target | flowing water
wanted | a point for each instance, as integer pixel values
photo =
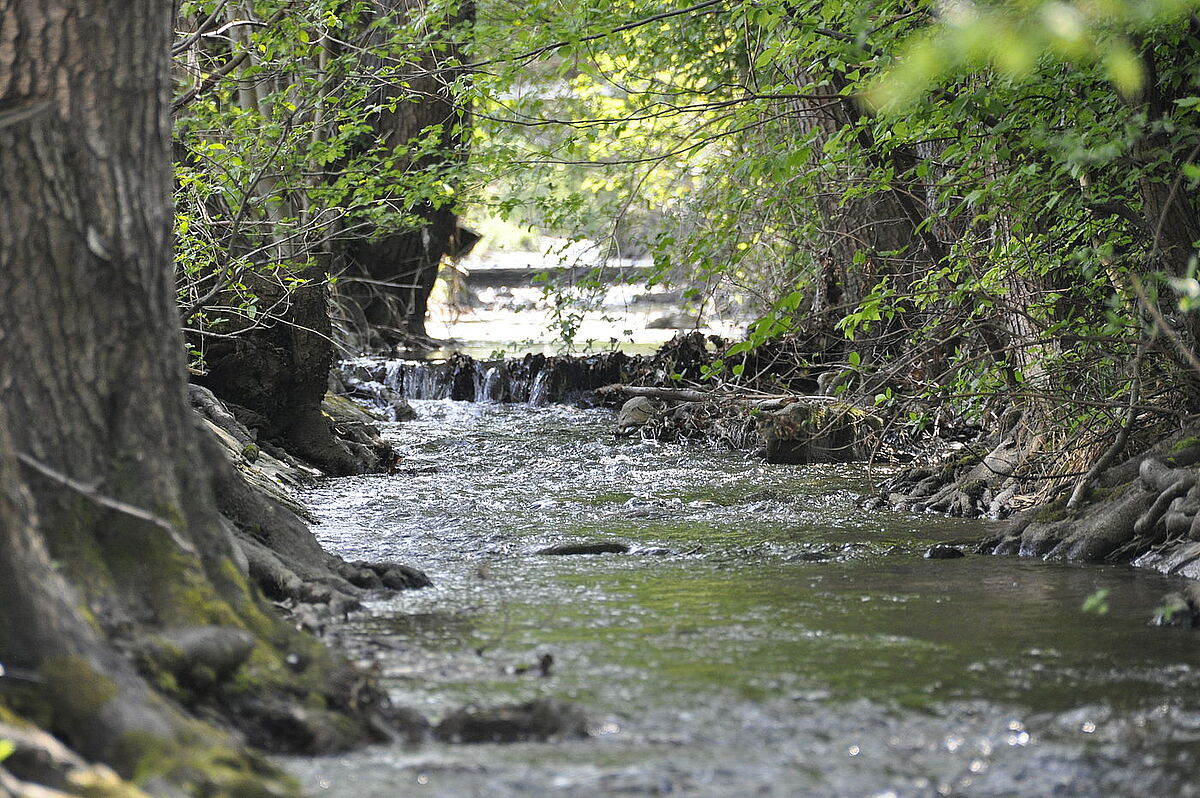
(763, 637)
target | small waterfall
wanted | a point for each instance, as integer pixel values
(494, 385)
(478, 381)
(533, 378)
(540, 392)
(393, 374)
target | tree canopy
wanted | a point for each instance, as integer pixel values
(989, 202)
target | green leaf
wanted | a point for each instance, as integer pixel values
(1124, 69)
(1097, 602)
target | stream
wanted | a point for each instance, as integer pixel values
(764, 636)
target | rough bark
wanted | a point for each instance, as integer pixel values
(92, 353)
(115, 487)
(873, 225)
(44, 629)
(400, 268)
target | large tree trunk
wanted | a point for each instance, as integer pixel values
(1170, 206)
(92, 353)
(93, 396)
(44, 629)
(401, 267)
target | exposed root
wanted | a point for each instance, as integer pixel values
(1152, 518)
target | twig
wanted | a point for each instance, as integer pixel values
(532, 54)
(204, 28)
(691, 395)
(1110, 454)
(213, 77)
(92, 493)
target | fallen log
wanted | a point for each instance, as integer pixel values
(759, 401)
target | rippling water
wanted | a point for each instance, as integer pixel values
(763, 637)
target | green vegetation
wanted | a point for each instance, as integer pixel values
(292, 145)
(1097, 602)
(1017, 223)
(993, 204)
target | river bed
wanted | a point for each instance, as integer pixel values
(765, 636)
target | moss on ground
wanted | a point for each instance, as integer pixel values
(1055, 511)
(75, 690)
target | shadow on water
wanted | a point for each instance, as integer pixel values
(764, 637)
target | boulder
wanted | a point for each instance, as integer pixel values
(198, 655)
(593, 547)
(541, 719)
(390, 575)
(635, 413)
(943, 551)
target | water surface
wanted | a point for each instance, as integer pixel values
(764, 637)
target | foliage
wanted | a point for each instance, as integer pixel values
(993, 203)
(281, 152)
(1021, 220)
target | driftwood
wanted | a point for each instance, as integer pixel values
(758, 401)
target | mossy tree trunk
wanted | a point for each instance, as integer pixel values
(102, 470)
(94, 374)
(45, 629)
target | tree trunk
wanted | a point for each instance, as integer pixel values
(44, 630)
(280, 372)
(402, 267)
(92, 352)
(114, 486)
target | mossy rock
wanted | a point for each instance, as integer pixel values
(1190, 442)
(343, 408)
(75, 690)
(1051, 513)
(199, 656)
(1184, 452)
(205, 766)
(974, 489)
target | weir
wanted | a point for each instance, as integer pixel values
(534, 379)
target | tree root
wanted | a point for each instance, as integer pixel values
(1152, 520)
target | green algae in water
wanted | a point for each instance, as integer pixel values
(733, 665)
